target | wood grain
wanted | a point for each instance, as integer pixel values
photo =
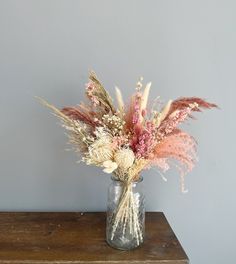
(71, 238)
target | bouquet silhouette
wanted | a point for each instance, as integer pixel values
(129, 138)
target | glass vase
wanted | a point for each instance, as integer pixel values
(125, 227)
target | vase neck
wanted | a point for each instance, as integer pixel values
(138, 179)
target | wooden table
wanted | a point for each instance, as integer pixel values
(72, 238)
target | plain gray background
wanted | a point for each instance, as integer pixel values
(184, 47)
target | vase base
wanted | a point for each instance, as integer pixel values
(123, 248)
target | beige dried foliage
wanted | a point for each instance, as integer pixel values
(76, 131)
(101, 94)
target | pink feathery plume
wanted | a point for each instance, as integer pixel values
(196, 104)
(129, 114)
(178, 146)
(132, 116)
(80, 113)
(179, 111)
(170, 124)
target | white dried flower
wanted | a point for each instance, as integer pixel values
(119, 101)
(100, 150)
(109, 166)
(124, 158)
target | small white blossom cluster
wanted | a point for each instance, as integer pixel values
(114, 122)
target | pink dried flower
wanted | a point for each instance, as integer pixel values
(171, 123)
(179, 111)
(144, 140)
(179, 146)
(90, 87)
(119, 141)
(184, 102)
(137, 109)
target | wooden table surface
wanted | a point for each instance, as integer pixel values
(72, 238)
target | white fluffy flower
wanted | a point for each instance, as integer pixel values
(100, 150)
(124, 158)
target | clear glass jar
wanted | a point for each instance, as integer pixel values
(125, 227)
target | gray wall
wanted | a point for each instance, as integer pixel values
(184, 47)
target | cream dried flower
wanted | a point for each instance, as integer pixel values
(101, 150)
(124, 158)
(109, 166)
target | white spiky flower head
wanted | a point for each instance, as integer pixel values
(124, 158)
(101, 149)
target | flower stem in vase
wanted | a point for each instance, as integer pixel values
(125, 223)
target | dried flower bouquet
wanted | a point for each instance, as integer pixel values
(130, 138)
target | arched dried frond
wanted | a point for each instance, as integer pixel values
(179, 111)
(79, 113)
(98, 95)
(195, 103)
